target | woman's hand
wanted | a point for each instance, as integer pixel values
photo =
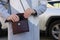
(13, 18)
(28, 12)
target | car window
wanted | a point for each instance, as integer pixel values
(53, 4)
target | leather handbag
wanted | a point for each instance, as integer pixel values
(21, 26)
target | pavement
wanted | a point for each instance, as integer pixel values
(3, 38)
(44, 36)
(41, 38)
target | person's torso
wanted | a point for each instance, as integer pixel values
(16, 8)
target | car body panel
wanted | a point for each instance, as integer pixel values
(45, 16)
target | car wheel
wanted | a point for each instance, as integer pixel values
(54, 29)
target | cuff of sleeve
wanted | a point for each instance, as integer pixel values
(5, 14)
(34, 14)
(40, 9)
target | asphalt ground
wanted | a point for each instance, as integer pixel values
(44, 36)
(3, 38)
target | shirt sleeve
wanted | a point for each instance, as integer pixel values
(42, 6)
(4, 12)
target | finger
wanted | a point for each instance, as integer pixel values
(25, 15)
(12, 19)
(17, 17)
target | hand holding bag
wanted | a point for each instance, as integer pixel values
(21, 26)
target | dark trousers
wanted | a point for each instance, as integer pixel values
(3, 32)
(0, 26)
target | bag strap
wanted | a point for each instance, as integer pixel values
(22, 5)
(25, 4)
(9, 7)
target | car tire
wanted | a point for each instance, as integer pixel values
(53, 29)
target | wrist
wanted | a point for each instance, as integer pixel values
(34, 12)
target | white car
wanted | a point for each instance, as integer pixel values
(50, 22)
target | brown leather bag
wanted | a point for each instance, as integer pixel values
(21, 26)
